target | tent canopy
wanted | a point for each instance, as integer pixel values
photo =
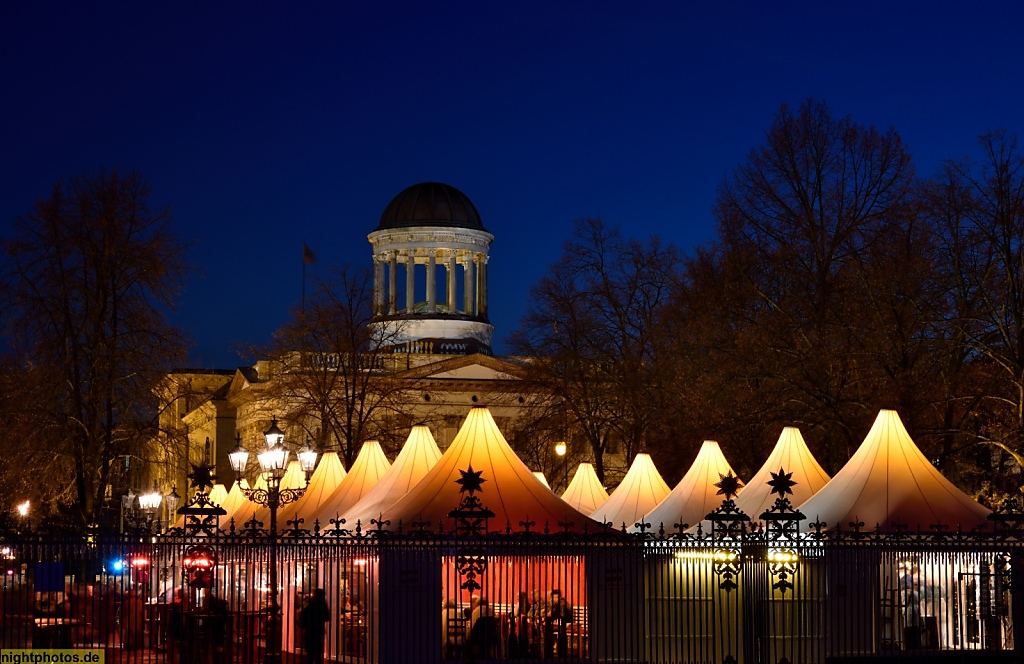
(369, 466)
(325, 480)
(639, 492)
(790, 454)
(585, 492)
(888, 481)
(696, 494)
(234, 502)
(539, 474)
(509, 488)
(418, 456)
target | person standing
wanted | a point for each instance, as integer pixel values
(313, 620)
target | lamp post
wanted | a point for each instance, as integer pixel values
(273, 462)
(142, 512)
(560, 450)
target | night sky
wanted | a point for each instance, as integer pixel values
(265, 126)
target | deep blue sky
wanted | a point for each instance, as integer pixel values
(263, 126)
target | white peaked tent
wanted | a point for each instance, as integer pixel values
(790, 454)
(585, 492)
(366, 471)
(543, 480)
(509, 488)
(418, 456)
(639, 492)
(294, 478)
(322, 483)
(889, 481)
(695, 495)
(233, 502)
(218, 493)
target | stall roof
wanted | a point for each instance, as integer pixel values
(543, 480)
(509, 488)
(418, 456)
(585, 492)
(696, 494)
(369, 466)
(790, 454)
(639, 492)
(234, 502)
(889, 482)
(218, 493)
(322, 483)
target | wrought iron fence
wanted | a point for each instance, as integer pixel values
(412, 597)
(770, 593)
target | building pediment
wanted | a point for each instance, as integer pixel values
(467, 367)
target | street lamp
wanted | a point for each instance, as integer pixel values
(273, 462)
(143, 517)
(560, 449)
(22, 510)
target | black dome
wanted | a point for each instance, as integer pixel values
(431, 204)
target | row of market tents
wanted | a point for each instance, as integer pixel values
(887, 484)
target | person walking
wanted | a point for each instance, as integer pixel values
(313, 620)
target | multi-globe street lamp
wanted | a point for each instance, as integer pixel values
(142, 512)
(273, 463)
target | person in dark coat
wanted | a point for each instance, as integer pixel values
(313, 620)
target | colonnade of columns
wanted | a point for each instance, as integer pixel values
(474, 287)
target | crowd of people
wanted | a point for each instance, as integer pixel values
(537, 626)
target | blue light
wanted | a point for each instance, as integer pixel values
(118, 565)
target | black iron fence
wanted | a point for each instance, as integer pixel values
(606, 597)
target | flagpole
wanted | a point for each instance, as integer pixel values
(308, 257)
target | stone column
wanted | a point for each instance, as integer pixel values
(431, 275)
(482, 286)
(392, 281)
(468, 294)
(378, 286)
(453, 306)
(410, 281)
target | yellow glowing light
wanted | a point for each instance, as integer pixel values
(560, 449)
(23, 509)
(718, 556)
(782, 557)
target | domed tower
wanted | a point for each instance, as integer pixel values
(430, 254)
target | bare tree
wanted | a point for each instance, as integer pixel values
(86, 283)
(978, 209)
(334, 364)
(589, 335)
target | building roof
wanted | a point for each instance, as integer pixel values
(639, 492)
(370, 465)
(431, 204)
(888, 482)
(418, 456)
(509, 488)
(585, 491)
(322, 483)
(696, 494)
